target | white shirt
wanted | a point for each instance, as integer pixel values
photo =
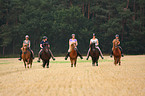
(94, 40)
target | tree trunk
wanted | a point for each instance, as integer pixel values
(127, 4)
(109, 17)
(13, 47)
(83, 10)
(7, 16)
(122, 29)
(89, 10)
(70, 3)
(3, 51)
(133, 17)
(140, 18)
(143, 16)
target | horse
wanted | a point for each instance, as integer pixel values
(116, 53)
(73, 54)
(45, 56)
(94, 53)
(26, 56)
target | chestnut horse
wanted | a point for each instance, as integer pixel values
(45, 56)
(26, 56)
(116, 53)
(94, 53)
(73, 55)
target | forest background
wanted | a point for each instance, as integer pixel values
(58, 19)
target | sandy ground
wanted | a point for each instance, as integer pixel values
(84, 80)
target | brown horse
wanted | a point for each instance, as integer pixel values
(73, 55)
(26, 56)
(45, 56)
(116, 53)
(94, 52)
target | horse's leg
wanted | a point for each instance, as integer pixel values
(25, 64)
(75, 61)
(71, 63)
(96, 62)
(119, 62)
(48, 64)
(31, 62)
(43, 64)
(93, 62)
(114, 60)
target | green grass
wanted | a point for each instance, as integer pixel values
(5, 63)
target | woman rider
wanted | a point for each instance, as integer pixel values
(44, 41)
(27, 42)
(73, 40)
(117, 40)
(94, 40)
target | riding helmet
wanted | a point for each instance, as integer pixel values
(44, 37)
(73, 35)
(26, 36)
(116, 35)
(94, 34)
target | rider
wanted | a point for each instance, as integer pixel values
(44, 41)
(73, 40)
(94, 40)
(27, 42)
(117, 39)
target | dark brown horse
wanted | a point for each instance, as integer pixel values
(26, 56)
(116, 53)
(45, 56)
(73, 55)
(94, 52)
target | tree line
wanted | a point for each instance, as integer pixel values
(58, 19)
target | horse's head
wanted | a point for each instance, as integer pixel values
(46, 48)
(115, 44)
(92, 46)
(73, 45)
(24, 49)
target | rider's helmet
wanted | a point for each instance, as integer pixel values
(26, 36)
(44, 37)
(73, 35)
(116, 35)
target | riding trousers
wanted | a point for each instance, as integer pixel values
(98, 49)
(41, 51)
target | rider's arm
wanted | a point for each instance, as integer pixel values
(97, 42)
(90, 42)
(69, 42)
(118, 42)
(48, 45)
(41, 46)
(29, 44)
(76, 43)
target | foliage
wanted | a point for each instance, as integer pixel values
(58, 19)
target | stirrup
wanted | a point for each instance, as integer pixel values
(87, 58)
(19, 59)
(65, 58)
(53, 58)
(81, 57)
(38, 60)
(122, 55)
